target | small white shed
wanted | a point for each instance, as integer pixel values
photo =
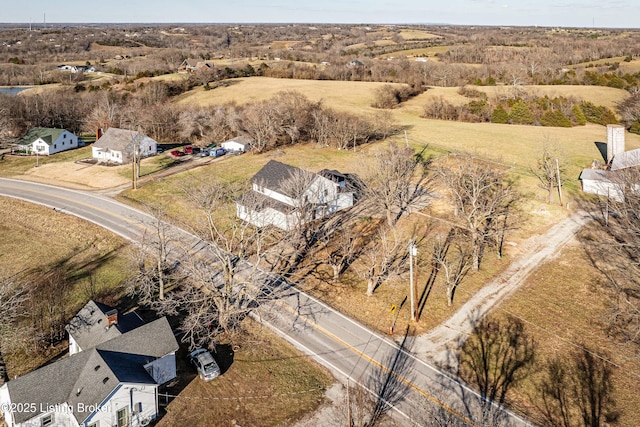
(239, 144)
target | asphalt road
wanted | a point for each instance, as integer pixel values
(407, 387)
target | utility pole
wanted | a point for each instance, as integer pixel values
(559, 181)
(413, 251)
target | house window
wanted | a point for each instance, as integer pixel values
(47, 420)
(137, 408)
(94, 424)
(122, 416)
(55, 146)
(326, 192)
(64, 136)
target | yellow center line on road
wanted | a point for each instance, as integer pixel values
(284, 305)
(379, 365)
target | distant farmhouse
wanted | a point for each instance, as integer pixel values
(283, 196)
(605, 179)
(117, 145)
(77, 68)
(191, 65)
(111, 378)
(47, 141)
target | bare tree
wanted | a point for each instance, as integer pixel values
(482, 199)
(154, 263)
(397, 179)
(222, 288)
(550, 170)
(454, 266)
(385, 257)
(12, 307)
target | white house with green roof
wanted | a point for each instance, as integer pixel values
(47, 141)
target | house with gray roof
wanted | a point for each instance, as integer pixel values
(610, 179)
(96, 323)
(118, 145)
(283, 196)
(114, 383)
(47, 141)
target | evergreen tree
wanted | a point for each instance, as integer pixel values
(578, 116)
(521, 114)
(555, 118)
(499, 115)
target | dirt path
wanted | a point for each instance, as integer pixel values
(438, 344)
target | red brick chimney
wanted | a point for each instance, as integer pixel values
(112, 318)
(98, 133)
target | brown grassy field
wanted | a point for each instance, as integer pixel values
(244, 90)
(34, 238)
(424, 51)
(562, 307)
(418, 35)
(269, 383)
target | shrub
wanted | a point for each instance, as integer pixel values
(635, 127)
(499, 115)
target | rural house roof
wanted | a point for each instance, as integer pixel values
(117, 139)
(89, 377)
(626, 160)
(595, 175)
(274, 174)
(48, 135)
(89, 327)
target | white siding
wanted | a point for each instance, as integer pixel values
(73, 346)
(274, 195)
(267, 216)
(5, 399)
(233, 146)
(124, 396)
(66, 141)
(602, 188)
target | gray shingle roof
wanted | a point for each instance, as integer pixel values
(90, 376)
(116, 139)
(48, 135)
(274, 174)
(595, 175)
(88, 327)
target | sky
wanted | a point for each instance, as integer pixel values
(553, 13)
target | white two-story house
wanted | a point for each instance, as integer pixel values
(111, 377)
(283, 196)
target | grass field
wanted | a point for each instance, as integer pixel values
(269, 383)
(422, 51)
(244, 90)
(417, 35)
(34, 238)
(564, 309)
